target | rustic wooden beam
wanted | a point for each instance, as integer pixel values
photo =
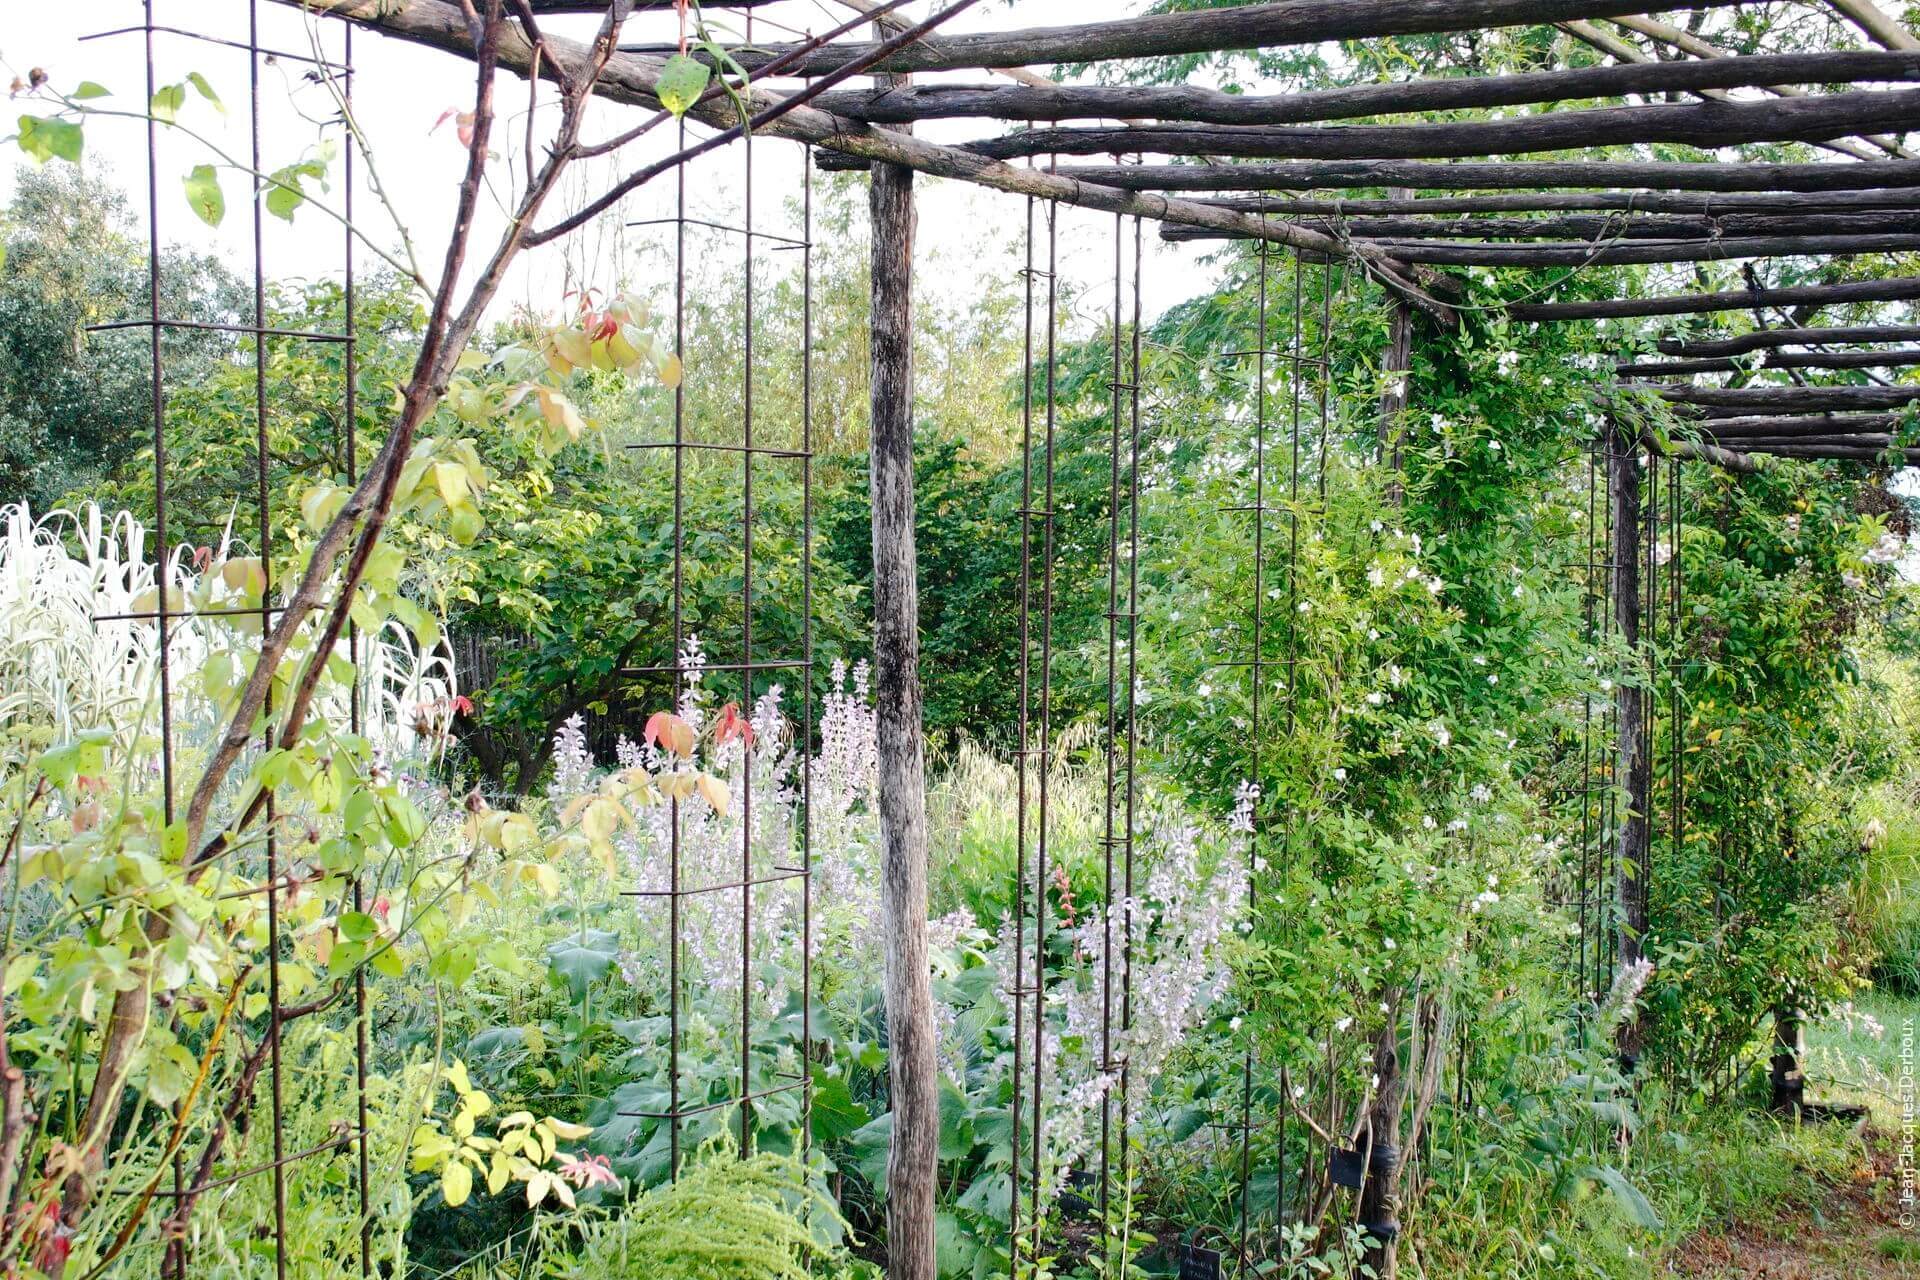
(1742, 463)
(1057, 102)
(1894, 358)
(1621, 226)
(1777, 400)
(1692, 44)
(1764, 339)
(631, 78)
(1895, 289)
(1603, 254)
(1639, 202)
(1839, 453)
(1634, 252)
(1518, 175)
(1706, 125)
(1820, 424)
(1626, 51)
(1248, 26)
(1863, 440)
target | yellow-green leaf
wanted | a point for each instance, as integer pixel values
(204, 194)
(681, 83)
(456, 1183)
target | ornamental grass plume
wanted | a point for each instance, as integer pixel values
(761, 1218)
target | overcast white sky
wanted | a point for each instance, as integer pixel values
(402, 89)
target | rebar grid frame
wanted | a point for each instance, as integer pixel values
(175, 1258)
(1599, 817)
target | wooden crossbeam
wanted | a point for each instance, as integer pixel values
(1881, 440)
(1518, 175)
(633, 78)
(1895, 289)
(1629, 52)
(1781, 427)
(1894, 358)
(1055, 102)
(1249, 26)
(1763, 339)
(1726, 402)
(1836, 453)
(1601, 254)
(1698, 124)
(1702, 206)
(1622, 226)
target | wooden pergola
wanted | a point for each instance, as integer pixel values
(1428, 195)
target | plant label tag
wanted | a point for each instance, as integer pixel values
(1199, 1264)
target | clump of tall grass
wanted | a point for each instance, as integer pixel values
(1886, 893)
(974, 811)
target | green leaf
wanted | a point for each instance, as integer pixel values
(199, 82)
(89, 90)
(358, 925)
(956, 1122)
(681, 83)
(1625, 1194)
(388, 962)
(578, 967)
(404, 823)
(835, 1113)
(204, 194)
(46, 139)
(167, 101)
(954, 1246)
(871, 1142)
(284, 195)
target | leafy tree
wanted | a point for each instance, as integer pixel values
(75, 403)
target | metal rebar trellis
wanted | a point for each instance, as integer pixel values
(766, 870)
(254, 340)
(1777, 426)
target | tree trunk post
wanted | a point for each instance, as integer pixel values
(1380, 1186)
(1398, 368)
(1789, 1082)
(1635, 761)
(912, 1162)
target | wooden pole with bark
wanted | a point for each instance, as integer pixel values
(1499, 175)
(1380, 1185)
(1698, 124)
(1893, 289)
(1635, 758)
(912, 1161)
(1247, 26)
(1047, 101)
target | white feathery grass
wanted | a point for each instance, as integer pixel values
(72, 658)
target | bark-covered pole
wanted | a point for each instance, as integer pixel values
(912, 1161)
(1398, 368)
(1380, 1189)
(1635, 769)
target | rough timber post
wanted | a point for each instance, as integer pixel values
(1380, 1191)
(1398, 367)
(1630, 700)
(912, 1161)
